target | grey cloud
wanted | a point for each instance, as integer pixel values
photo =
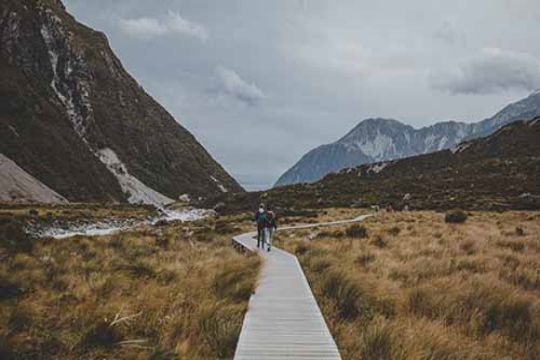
(301, 73)
(494, 70)
(230, 83)
(449, 33)
(173, 23)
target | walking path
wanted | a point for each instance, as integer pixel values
(283, 320)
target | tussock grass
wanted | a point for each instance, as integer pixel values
(417, 287)
(167, 292)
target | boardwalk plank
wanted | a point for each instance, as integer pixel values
(283, 320)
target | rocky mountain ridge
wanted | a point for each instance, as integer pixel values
(496, 172)
(73, 118)
(374, 140)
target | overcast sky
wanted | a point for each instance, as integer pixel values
(259, 83)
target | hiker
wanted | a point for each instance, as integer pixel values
(260, 219)
(269, 228)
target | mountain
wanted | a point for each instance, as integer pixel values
(17, 185)
(374, 140)
(497, 172)
(76, 121)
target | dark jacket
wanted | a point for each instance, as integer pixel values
(270, 220)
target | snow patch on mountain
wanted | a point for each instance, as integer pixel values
(135, 189)
(378, 147)
(72, 91)
(378, 139)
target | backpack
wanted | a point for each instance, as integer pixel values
(261, 220)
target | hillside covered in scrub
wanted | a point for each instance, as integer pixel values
(78, 126)
(500, 171)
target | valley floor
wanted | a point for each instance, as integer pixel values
(410, 286)
(174, 290)
(404, 285)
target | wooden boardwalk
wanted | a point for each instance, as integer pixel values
(283, 320)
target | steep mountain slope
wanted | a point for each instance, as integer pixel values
(375, 140)
(500, 171)
(73, 118)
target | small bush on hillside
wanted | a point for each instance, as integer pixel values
(9, 289)
(13, 237)
(356, 231)
(455, 217)
(102, 334)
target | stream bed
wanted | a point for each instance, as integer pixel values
(59, 230)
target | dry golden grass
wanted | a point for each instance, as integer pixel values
(174, 291)
(418, 288)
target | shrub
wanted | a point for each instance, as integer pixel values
(102, 334)
(13, 237)
(455, 217)
(356, 231)
(19, 320)
(9, 289)
(351, 300)
(418, 303)
(376, 342)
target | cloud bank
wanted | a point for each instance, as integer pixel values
(147, 28)
(230, 83)
(493, 70)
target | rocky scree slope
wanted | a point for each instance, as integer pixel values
(374, 140)
(73, 118)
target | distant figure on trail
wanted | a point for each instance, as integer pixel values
(269, 228)
(390, 208)
(260, 219)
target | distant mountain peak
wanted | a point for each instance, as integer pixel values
(380, 139)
